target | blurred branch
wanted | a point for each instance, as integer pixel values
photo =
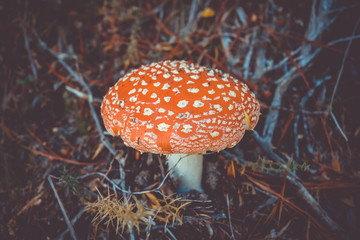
(80, 80)
(26, 41)
(303, 101)
(30, 57)
(319, 22)
(338, 80)
(81, 94)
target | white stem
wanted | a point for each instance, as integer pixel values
(187, 170)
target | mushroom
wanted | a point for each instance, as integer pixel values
(182, 110)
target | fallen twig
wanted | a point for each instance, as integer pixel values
(67, 220)
(157, 189)
(302, 191)
(338, 80)
(80, 80)
(190, 220)
(318, 23)
(302, 107)
(56, 157)
(229, 216)
(73, 221)
(27, 45)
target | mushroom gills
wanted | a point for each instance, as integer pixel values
(187, 170)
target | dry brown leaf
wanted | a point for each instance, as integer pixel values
(335, 164)
(154, 201)
(207, 13)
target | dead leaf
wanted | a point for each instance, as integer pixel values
(154, 201)
(335, 164)
(207, 13)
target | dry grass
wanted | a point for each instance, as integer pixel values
(126, 213)
(129, 212)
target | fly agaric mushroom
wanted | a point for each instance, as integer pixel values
(182, 110)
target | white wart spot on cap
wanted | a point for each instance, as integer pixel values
(193, 90)
(218, 107)
(232, 93)
(161, 110)
(214, 134)
(166, 75)
(176, 90)
(148, 111)
(151, 135)
(134, 79)
(133, 99)
(166, 86)
(163, 127)
(211, 73)
(198, 103)
(186, 128)
(132, 91)
(167, 99)
(206, 98)
(182, 103)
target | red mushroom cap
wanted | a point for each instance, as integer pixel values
(179, 107)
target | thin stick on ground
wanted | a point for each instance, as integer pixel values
(67, 220)
(73, 221)
(116, 186)
(338, 80)
(302, 191)
(229, 217)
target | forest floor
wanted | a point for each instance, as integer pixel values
(296, 176)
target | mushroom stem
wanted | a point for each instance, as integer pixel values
(187, 170)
